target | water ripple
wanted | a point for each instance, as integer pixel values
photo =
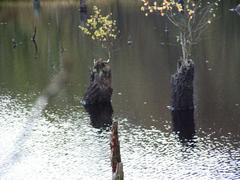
(63, 145)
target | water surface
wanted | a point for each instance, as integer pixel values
(62, 143)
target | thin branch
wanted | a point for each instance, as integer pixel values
(34, 33)
(34, 41)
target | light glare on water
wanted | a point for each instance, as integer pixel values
(70, 148)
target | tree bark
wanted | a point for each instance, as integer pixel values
(117, 166)
(83, 6)
(182, 86)
(99, 90)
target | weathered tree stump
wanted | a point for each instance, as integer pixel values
(100, 115)
(99, 90)
(83, 6)
(117, 166)
(182, 86)
(183, 124)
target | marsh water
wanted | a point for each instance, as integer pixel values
(62, 142)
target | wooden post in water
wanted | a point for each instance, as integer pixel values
(117, 166)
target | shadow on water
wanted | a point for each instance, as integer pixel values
(183, 125)
(100, 115)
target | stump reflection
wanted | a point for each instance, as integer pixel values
(100, 115)
(183, 125)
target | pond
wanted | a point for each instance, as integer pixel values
(61, 142)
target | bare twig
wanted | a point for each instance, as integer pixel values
(34, 33)
(34, 40)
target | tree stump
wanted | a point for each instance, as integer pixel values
(99, 90)
(182, 86)
(83, 6)
(117, 166)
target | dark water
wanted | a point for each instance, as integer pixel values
(64, 145)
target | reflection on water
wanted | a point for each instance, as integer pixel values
(100, 114)
(64, 144)
(69, 148)
(183, 124)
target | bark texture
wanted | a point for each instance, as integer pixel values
(182, 86)
(99, 90)
(117, 166)
(83, 6)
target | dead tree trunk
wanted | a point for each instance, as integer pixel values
(182, 86)
(117, 166)
(99, 90)
(83, 6)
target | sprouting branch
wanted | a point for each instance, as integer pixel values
(101, 29)
(191, 18)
